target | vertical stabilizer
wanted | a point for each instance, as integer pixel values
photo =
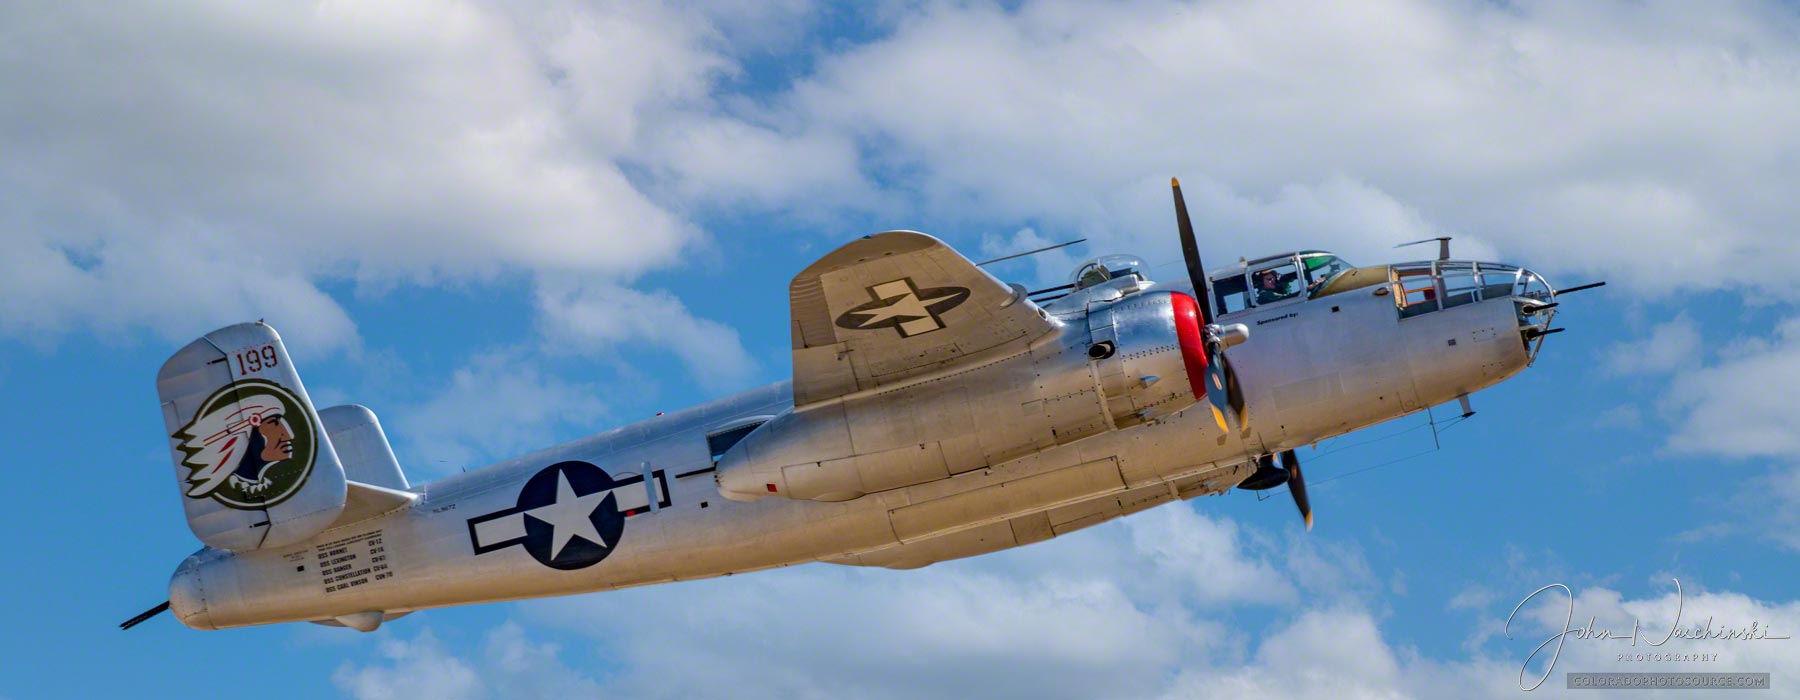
(363, 447)
(254, 466)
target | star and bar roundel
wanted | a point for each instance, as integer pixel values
(570, 515)
(904, 307)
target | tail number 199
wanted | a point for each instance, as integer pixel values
(256, 359)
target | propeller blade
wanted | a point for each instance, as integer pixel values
(1190, 252)
(1219, 388)
(1266, 476)
(1297, 486)
(1223, 392)
(1234, 395)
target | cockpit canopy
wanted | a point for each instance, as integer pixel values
(1106, 269)
(1274, 279)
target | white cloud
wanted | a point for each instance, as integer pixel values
(508, 666)
(1206, 556)
(177, 167)
(403, 139)
(1736, 406)
(526, 669)
(1782, 489)
(496, 406)
(609, 320)
(1091, 615)
(1641, 141)
(731, 163)
(421, 668)
(1112, 611)
(164, 284)
(1323, 653)
(1337, 652)
(1671, 345)
(832, 632)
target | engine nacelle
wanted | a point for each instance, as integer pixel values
(1159, 366)
(1137, 359)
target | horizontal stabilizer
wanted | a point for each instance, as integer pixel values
(364, 501)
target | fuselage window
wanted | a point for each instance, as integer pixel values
(1497, 280)
(720, 442)
(1458, 279)
(1416, 289)
(1231, 293)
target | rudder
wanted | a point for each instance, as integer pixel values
(253, 463)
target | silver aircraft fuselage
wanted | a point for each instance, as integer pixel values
(1313, 368)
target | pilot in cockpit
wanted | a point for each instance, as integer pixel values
(1269, 288)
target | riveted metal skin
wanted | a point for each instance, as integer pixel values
(1051, 393)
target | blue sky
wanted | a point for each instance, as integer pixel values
(505, 227)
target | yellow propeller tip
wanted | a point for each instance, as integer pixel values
(1174, 182)
(1309, 522)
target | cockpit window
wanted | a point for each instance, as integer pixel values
(1277, 278)
(1274, 284)
(1320, 268)
(1232, 294)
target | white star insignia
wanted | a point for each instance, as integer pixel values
(570, 516)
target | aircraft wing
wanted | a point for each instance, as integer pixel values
(896, 305)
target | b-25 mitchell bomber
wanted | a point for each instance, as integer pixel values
(935, 413)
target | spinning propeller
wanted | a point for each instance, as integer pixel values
(1297, 486)
(1223, 392)
(1222, 389)
(1268, 476)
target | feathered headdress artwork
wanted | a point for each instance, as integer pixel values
(216, 443)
